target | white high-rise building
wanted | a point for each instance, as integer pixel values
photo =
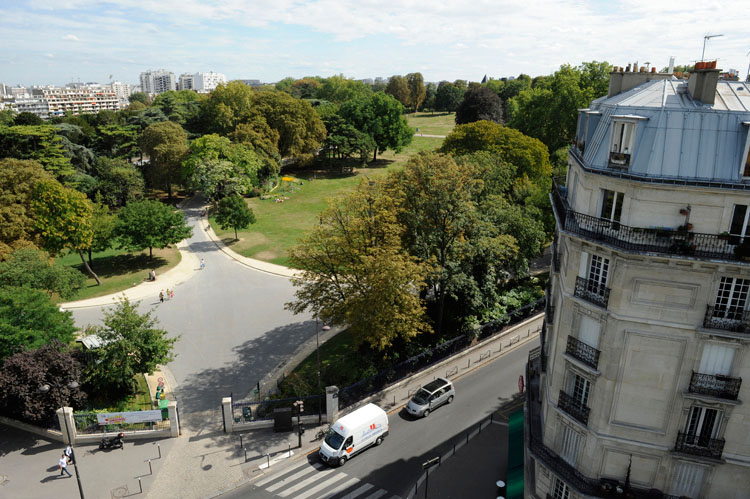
(206, 82)
(122, 91)
(156, 82)
(77, 100)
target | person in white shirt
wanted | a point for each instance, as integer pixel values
(64, 465)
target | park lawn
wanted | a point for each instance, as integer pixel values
(432, 123)
(118, 270)
(278, 226)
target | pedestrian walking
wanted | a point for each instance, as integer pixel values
(69, 454)
(153, 275)
(203, 264)
(168, 294)
(161, 296)
(64, 465)
(173, 294)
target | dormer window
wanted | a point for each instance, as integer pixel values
(745, 167)
(622, 140)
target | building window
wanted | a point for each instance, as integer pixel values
(598, 271)
(560, 489)
(588, 331)
(687, 480)
(571, 442)
(611, 205)
(731, 299)
(716, 359)
(740, 225)
(622, 143)
(579, 389)
(702, 426)
(746, 170)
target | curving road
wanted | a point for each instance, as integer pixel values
(232, 325)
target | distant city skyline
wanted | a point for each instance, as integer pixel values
(70, 40)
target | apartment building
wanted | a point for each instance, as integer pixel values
(156, 82)
(122, 91)
(206, 82)
(636, 389)
(76, 100)
(185, 82)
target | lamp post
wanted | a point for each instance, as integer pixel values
(72, 386)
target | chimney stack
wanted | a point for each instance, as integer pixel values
(623, 79)
(702, 82)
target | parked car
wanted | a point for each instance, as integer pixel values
(354, 433)
(430, 397)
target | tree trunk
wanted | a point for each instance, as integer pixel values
(150, 253)
(236, 238)
(375, 154)
(91, 263)
(88, 269)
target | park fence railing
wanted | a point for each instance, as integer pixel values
(86, 423)
(248, 411)
(360, 390)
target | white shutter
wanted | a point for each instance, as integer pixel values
(583, 269)
(716, 359)
(589, 331)
(571, 440)
(687, 480)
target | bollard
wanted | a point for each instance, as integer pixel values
(140, 487)
(289, 448)
(245, 454)
(158, 447)
(241, 446)
(268, 460)
(150, 470)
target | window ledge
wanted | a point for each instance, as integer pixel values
(581, 365)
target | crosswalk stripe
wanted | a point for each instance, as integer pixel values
(277, 475)
(364, 488)
(318, 487)
(376, 494)
(305, 483)
(338, 489)
(290, 479)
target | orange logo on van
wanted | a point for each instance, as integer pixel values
(350, 449)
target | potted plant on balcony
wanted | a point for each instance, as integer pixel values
(724, 236)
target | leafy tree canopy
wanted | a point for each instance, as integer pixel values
(479, 103)
(166, 145)
(149, 224)
(527, 154)
(118, 181)
(234, 213)
(338, 89)
(398, 87)
(417, 90)
(37, 142)
(140, 97)
(29, 319)
(131, 344)
(208, 150)
(26, 118)
(31, 268)
(381, 117)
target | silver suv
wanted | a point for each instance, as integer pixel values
(430, 397)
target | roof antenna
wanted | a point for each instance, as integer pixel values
(705, 39)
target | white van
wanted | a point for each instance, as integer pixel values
(353, 433)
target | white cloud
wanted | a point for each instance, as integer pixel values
(70, 37)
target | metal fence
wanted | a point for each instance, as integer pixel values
(354, 393)
(248, 411)
(86, 423)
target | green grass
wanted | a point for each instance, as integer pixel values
(432, 123)
(279, 225)
(140, 400)
(118, 270)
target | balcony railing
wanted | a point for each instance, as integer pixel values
(555, 258)
(592, 291)
(715, 385)
(699, 446)
(583, 352)
(662, 240)
(619, 160)
(737, 321)
(573, 407)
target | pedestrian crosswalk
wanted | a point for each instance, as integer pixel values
(307, 480)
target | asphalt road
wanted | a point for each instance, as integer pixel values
(232, 326)
(393, 468)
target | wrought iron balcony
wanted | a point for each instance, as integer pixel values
(619, 160)
(661, 240)
(727, 319)
(555, 258)
(583, 352)
(592, 291)
(573, 407)
(699, 446)
(715, 385)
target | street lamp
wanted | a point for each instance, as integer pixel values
(72, 386)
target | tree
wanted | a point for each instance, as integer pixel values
(63, 218)
(306, 88)
(146, 117)
(118, 181)
(338, 89)
(343, 140)
(139, 97)
(479, 103)
(24, 372)
(417, 90)
(429, 96)
(356, 273)
(285, 85)
(103, 226)
(527, 154)
(399, 89)
(219, 168)
(166, 145)
(300, 129)
(37, 142)
(149, 224)
(31, 268)
(131, 344)
(448, 97)
(17, 181)
(381, 117)
(7, 117)
(29, 319)
(179, 106)
(234, 213)
(117, 141)
(26, 118)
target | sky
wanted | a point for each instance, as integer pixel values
(60, 41)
